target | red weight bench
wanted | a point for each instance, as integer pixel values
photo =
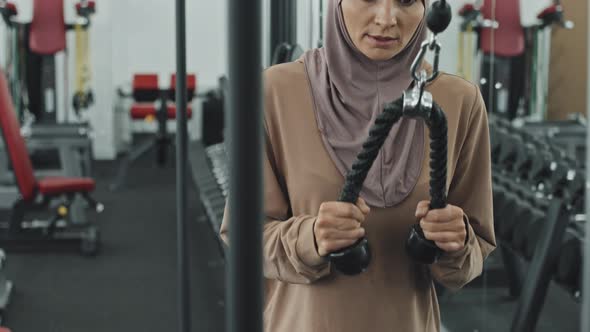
(153, 103)
(52, 196)
(3, 329)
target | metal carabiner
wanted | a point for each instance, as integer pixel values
(432, 45)
(416, 100)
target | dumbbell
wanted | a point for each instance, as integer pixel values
(498, 195)
(541, 167)
(524, 161)
(498, 137)
(500, 122)
(501, 135)
(501, 187)
(512, 145)
(500, 190)
(501, 179)
(577, 191)
(569, 266)
(495, 142)
(512, 211)
(558, 182)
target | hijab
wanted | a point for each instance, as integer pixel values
(349, 91)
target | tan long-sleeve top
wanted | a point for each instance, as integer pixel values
(302, 291)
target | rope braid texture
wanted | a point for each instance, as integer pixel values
(392, 113)
(438, 157)
(437, 123)
(356, 258)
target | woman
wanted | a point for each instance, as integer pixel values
(318, 112)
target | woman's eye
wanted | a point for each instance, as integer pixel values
(407, 2)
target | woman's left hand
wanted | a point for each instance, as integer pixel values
(445, 227)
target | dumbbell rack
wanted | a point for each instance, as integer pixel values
(568, 134)
(538, 206)
(210, 172)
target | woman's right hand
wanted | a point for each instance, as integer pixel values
(339, 225)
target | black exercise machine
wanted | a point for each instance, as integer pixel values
(33, 85)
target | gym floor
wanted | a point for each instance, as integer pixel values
(477, 309)
(131, 284)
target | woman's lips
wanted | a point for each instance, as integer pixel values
(382, 41)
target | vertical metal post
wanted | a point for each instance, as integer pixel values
(291, 21)
(321, 34)
(244, 297)
(276, 32)
(283, 23)
(585, 316)
(184, 287)
(311, 25)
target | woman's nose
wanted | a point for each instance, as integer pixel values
(386, 13)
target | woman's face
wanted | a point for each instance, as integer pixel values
(381, 29)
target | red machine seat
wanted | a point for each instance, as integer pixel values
(509, 37)
(191, 86)
(191, 82)
(17, 149)
(172, 112)
(12, 11)
(467, 8)
(551, 10)
(142, 111)
(145, 87)
(48, 29)
(60, 185)
(90, 5)
(145, 82)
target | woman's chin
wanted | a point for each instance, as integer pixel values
(379, 54)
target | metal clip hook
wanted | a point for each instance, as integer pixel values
(417, 102)
(433, 45)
